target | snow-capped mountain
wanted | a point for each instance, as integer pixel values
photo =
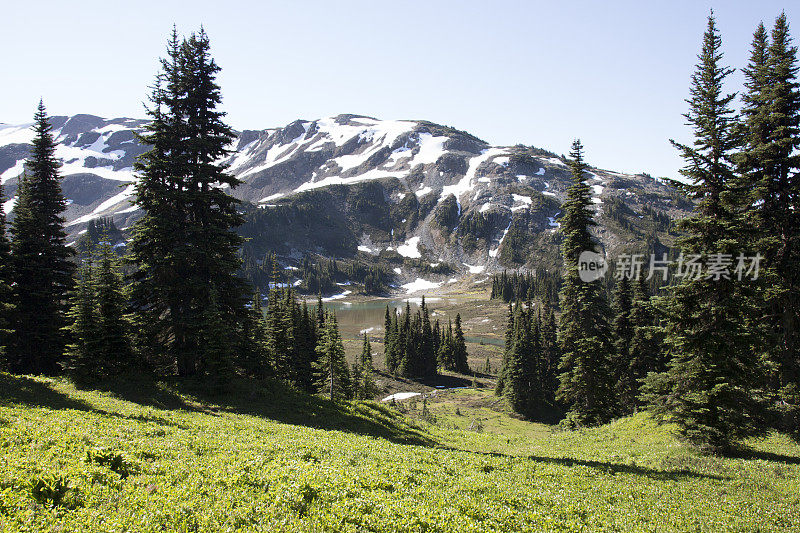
(418, 189)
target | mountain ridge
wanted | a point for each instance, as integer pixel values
(410, 187)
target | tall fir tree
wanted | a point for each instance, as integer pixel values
(6, 292)
(254, 358)
(42, 270)
(446, 348)
(586, 377)
(646, 352)
(81, 353)
(112, 345)
(509, 342)
(459, 356)
(769, 166)
(364, 387)
(306, 349)
(426, 345)
(333, 376)
(622, 331)
(710, 388)
(184, 246)
(550, 355)
(215, 362)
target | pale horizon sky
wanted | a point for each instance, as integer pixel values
(614, 74)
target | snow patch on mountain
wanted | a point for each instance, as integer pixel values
(475, 269)
(410, 248)
(102, 209)
(465, 184)
(422, 191)
(420, 284)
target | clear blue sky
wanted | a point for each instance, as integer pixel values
(613, 73)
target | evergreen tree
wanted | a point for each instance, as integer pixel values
(81, 353)
(333, 377)
(426, 344)
(509, 343)
(519, 370)
(112, 345)
(584, 335)
(215, 362)
(6, 291)
(770, 166)
(645, 353)
(437, 342)
(183, 246)
(550, 356)
(366, 353)
(394, 344)
(388, 342)
(320, 313)
(459, 354)
(710, 388)
(254, 358)
(622, 331)
(306, 350)
(446, 348)
(364, 387)
(42, 271)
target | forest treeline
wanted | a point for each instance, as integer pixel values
(715, 352)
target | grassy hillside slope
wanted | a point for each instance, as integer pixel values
(146, 457)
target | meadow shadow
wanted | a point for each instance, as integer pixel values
(609, 468)
(29, 391)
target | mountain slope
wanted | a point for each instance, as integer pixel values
(351, 185)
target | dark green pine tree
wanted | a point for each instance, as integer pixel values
(426, 345)
(710, 389)
(320, 309)
(395, 343)
(213, 213)
(445, 355)
(254, 358)
(6, 292)
(437, 342)
(405, 344)
(364, 387)
(459, 353)
(306, 349)
(366, 353)
(215, 363)
(81, 353)
(279, 335)
(333, 376)
(519, 367)
(112, 344)
(42, 270)
(509, 343)
(389, 350)
(622, 331)
(550, 355)
(770, 165)
(586, 377)
(521, 388)
(184, 247)
(645, 353)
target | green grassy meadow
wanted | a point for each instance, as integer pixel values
(146, 456)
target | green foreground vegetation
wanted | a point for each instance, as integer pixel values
(147, 456)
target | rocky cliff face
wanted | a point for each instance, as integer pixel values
(350, 185)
